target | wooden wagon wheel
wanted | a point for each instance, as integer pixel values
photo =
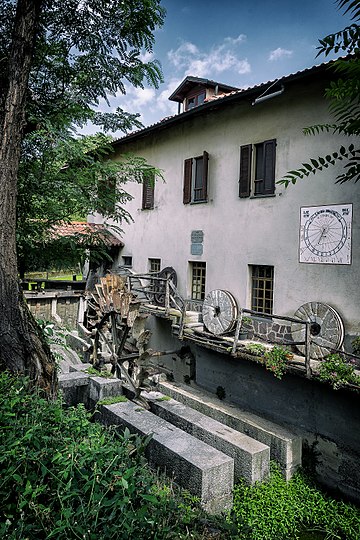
(219, 312)
(160, 286)
(327, 328)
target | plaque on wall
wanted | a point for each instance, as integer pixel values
(196, 249)
(197, 237)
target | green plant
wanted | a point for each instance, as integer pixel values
(64, 477)
(246, 321)
(92, 371)
(112, 399)
(256, 348)
(281, 510)
(276, 360)
(163, 398)
(337, 371)
(356, 345)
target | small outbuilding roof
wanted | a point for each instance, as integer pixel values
(82, 228)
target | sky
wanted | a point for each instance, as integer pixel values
(236, 42)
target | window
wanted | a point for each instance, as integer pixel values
(196, 179)
(262, 288)
(198, 276)
(127, 260)
(148, 190)
(154, 265)
(194, 100)
(257, 169)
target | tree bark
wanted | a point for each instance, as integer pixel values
(22, 347)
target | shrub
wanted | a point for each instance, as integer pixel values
(280, 510)
(356, 345)
(276, 360)
(335, 370)
(64, 477)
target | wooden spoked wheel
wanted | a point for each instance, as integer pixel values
(326, 330)
(112, 313)
(160, 286)
(219, 312)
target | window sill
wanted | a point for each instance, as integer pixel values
(262, 196)
(198, 202)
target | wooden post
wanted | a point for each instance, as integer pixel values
(167, 296)
(237, 331)
(307, 349)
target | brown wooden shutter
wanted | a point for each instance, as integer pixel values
(205, 176)
(148, 192)
(187, 181)
(245, 170)
(269, 166)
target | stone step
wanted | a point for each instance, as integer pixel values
(251, 458)
(285, 446)
(194, 465)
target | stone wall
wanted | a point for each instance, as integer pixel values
(327, 420)
(57, 306)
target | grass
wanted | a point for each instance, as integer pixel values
(282, 510)
(61, 276)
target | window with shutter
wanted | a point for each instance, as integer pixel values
(148, 191)
(245, 170)
(196, 179)
(257, 169)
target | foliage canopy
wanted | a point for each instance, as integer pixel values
(85, 52)
(344, 96)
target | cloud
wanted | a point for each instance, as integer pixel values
(236, 41)
(192, 61)
(279, 53)
(146, 56)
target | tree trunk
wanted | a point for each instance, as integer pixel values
(22, 347)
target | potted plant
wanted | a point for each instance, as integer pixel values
(245, 327)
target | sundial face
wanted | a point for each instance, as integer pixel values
(325, 234)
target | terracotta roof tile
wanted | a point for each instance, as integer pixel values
(76, 228)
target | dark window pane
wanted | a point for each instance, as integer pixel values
(262, 280)
(198, 180)
(198, 280)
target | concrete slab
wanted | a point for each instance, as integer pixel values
(101, 387)
(251, 458)
(201, 469)
(74, 387)
(285, 446)
(73, 379)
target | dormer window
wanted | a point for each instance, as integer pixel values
(193, 91)
(195, 100)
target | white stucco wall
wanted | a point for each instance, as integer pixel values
(240, 232)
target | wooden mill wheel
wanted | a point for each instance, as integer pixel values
(219, 312)
(112, 315)
(327, 328)
(160, 287)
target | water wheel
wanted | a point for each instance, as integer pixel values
(118, 335)
(160, 286)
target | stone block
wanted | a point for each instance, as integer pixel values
(251, 458)
(74, 387)
(100, 388)
(285, 446)
(194, 465)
